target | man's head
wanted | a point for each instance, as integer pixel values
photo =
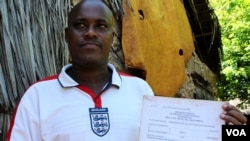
(90, 33)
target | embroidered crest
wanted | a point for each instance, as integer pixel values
(99, 119)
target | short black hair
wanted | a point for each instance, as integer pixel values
(106, 2)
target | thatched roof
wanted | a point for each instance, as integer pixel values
(32, 46)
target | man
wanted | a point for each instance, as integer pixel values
(89, 100)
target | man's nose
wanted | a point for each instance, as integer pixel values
(90, 32)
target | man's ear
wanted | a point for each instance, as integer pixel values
(66, 34)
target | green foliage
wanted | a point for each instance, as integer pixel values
(234, 18)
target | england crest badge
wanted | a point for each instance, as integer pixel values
(99, 119)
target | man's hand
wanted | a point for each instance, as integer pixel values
(232, 115)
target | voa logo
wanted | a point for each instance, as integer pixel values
(236, 132)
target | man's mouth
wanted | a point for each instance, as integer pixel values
(90, 45)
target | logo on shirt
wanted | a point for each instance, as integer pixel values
(99, 119)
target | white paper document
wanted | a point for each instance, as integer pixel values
(179, 119)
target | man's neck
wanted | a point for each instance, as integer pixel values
(95, 79)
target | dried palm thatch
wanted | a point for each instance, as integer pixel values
(32, 46)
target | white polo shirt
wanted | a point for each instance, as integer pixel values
(59, 109)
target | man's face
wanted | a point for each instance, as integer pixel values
(90, 34)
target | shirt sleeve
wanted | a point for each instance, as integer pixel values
(25, 121)
(149, 90)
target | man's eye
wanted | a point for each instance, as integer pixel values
(80, 26)
(102, 26)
